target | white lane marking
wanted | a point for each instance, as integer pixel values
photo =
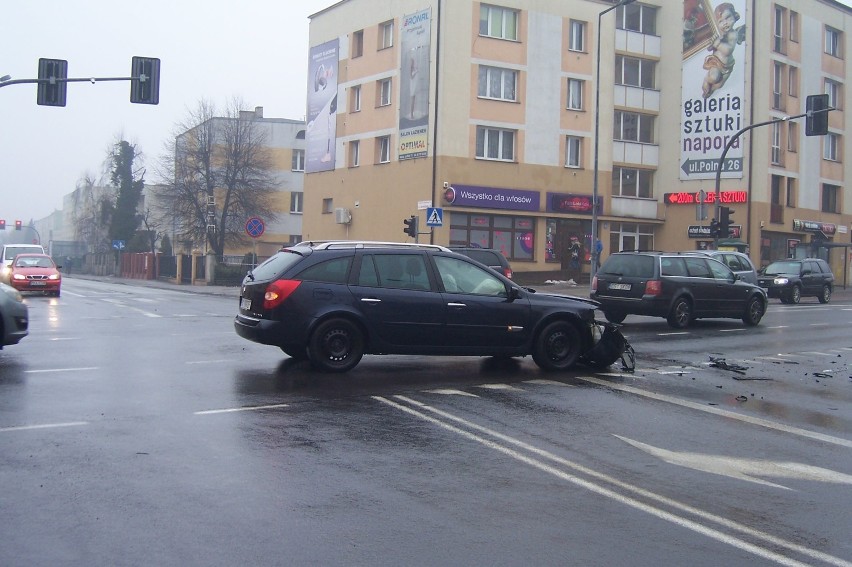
(674, 372)
(64, 338)
(131, 307)
(816, 353)
(46, 370)
(543, 382)
(220, 361)
(778, 327)
(603, 491)
(43, 426)
(244, 408)
(743, 469)
(450, 392)
(724, 413)
(739, 330)
(499, 387)
(672, 333)
(821, 324)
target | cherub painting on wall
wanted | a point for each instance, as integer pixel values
(698, 28)
(720, 62)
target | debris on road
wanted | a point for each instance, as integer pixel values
(721, 363)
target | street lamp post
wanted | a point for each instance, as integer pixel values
(594, 255)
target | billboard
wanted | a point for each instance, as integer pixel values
(713, 87)
(415, 41)
(322, 107)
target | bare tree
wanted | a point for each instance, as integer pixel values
(90, 212)
(217, 173)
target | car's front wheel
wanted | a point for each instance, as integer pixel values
(337, 345)
(825, 296)
(753, 312)
(681, 314)
(795, 295)
(558, 346)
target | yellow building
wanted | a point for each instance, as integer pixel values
(488, 113)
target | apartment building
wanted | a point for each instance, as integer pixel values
(489, 113)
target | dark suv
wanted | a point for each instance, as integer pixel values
(333, 302)
(680, 287)
(790, 280)
(494, 259)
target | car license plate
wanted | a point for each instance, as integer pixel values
(36, 284)
(624, 286)
(245, 303)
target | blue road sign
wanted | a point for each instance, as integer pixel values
(254, 227)
(434, 216)
(118, 244)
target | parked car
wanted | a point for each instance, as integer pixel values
(790, 280)
(12, 250)
(14, 316)
(679, 287)
(333, 302)
(35, 272)
(739, 263)
(494, 259)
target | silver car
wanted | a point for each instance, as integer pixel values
(738, 262)
(14, 316)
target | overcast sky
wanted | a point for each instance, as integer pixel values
(254, 49)
(216, 49)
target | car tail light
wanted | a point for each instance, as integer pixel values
(507, 272)
(595, 283)
(654, 287)
(278, 291)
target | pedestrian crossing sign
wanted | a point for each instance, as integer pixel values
(434, 216)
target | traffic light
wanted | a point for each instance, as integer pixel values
(410, 226)
(2, 224)
(714, 228)
(52, 85)
(18, 225)
(145, 80)
(816, 122)
(725, 222)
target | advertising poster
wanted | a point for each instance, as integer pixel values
(322, 107)
(715, 43)
(414, 85)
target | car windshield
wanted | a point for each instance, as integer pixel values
(33, 262)
(776, 268)
(629, 265)
(12, 251)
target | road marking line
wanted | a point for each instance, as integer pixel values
(815, 353)
(220, 361)
(42, 426)
(244, 408)
(542, 382)
(722, 412)
(612, 494)
(672, 333)
(46, 370)
(450, 392)
(499, 387)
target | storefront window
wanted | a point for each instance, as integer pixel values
(513, 236)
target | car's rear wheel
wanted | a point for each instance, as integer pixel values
(337, 345)
(825, 296)
(615, 316)
(795, 294)
(753, 312)
(681, 314)
(558, 346)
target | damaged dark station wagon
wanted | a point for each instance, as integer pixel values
(333, 302)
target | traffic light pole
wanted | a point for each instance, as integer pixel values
(718, 204)
(92, 80)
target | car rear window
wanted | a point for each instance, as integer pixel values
(275, 265)
(484, 257)
(629, 265)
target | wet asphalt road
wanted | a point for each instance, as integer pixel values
(137, 429)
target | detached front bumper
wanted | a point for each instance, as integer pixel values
(610, 346)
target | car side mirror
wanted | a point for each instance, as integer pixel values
(514, 293)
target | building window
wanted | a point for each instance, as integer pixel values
(776, 144)
(830, 143)
(384, 92)
(573, 151)
(383, 149)
(792, 137)
(298, 161)
(577, 36)
(497, 83)
(832, 89)
(791, 192)
(354, 153)
(627, 182)
(386, 35)
(501, 23)
(327, 206)
(829, 198)
(296, 202)
(777, 81)
(575, 94)
(778, 43)
(358, 44)
(794, 26)
(635, 72)
(832, 41)
(633, 127)
(637, 18)
(625, 236)
(495, 143)
(793, 81)
(355, 98)
(513, 236)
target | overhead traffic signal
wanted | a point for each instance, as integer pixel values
(410, 226)
(145, 80)
(816, 120)
(725, 221)
(52, 84)
(18, 225)
(2, 224)
(714, 228)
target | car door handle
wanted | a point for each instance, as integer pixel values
(371, 300)
(454, 304)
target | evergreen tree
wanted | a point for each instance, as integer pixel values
(129, 184)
